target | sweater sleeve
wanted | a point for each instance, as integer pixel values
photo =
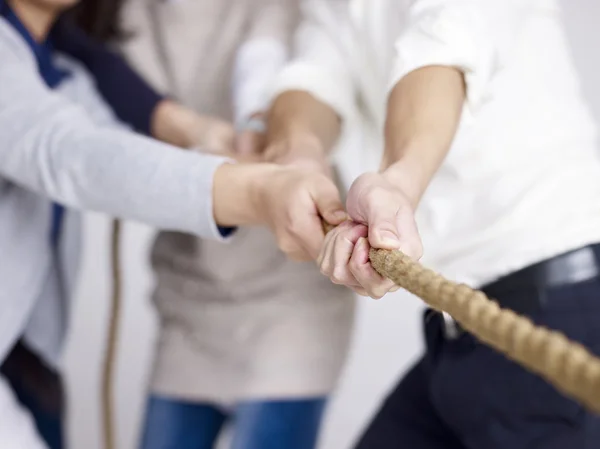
(116, 80)
(50, 146)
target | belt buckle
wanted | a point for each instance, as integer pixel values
(451, 328)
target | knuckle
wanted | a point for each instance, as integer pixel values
(380, 290)
(356, 267)
(287, 245)
(324, 269)
(294, 226)
(375, 294)
(339, 275)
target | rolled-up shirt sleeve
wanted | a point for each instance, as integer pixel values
(319, 65)
(262, 55)
(475, 36)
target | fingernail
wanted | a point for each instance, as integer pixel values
(340, 215)
(388, 238)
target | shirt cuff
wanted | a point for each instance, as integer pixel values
(451, 38)
(333, 89)
(213, 231)
(226, 231)
(257, 63)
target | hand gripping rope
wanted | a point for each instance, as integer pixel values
(567, 365)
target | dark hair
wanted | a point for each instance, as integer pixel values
(100, 19)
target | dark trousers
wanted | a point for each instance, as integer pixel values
(39, 390)
(464, 395)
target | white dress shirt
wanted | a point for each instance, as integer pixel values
(522, 180)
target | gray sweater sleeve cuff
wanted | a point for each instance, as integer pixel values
(205, 225)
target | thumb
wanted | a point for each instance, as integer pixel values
(383, 230)
(328, 202)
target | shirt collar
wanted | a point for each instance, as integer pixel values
(43, 51)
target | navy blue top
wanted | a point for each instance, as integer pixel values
(116, 81)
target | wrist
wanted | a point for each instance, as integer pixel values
(238, 193)
(295, 144)
(408, 178)
(410, 165)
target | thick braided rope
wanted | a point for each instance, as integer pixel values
(565, 364)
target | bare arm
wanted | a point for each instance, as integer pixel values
(423, 114)
(301, 123)
(315, 92)
(446, 59)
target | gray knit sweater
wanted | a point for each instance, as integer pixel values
(66, 146)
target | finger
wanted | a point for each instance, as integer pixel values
(325, 260)
(410, 240)
(360, 266)
(343, 246)
(383, 228)
(360, 291)
(328, 202)
(307, 230)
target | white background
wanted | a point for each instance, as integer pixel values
(387, 336)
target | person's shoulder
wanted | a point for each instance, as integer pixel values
(13, 48)
(81, 89)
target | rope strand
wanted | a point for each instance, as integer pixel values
(567, 365)
(110, 352)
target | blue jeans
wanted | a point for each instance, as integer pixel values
(278, 424)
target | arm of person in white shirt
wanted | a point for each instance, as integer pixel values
(49, 146)
(445, 61)
(257, 62)
(315, 92)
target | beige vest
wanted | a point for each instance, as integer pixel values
(238, 320)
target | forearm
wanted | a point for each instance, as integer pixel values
(301, 121)
(236, 193)
(424, 110)
(172, 122)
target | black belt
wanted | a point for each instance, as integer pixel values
(576, 266)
